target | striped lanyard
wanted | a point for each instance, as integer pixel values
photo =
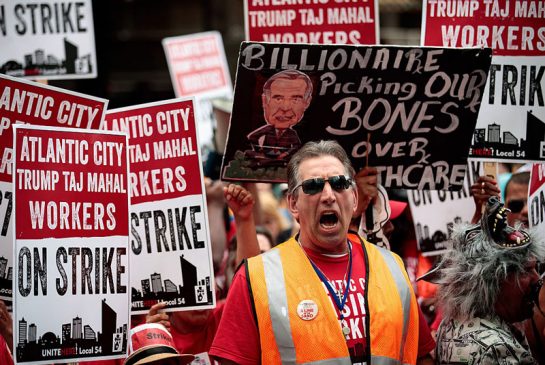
(339, 300)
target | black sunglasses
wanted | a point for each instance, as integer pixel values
(316, 185)
(516, 206)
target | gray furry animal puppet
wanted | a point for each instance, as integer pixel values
(487, 282)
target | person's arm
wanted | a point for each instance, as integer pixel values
(426, 343)
(241, 203)
(216, 205)
(155, 316)
(229, 346)
(366, 183)
(258, 212)
(6, 327)
(255, 135)
(482, 189)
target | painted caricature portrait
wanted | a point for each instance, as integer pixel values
(286, 96)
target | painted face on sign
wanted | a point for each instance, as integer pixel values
(285, 103)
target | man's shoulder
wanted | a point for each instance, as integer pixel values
(249, 263)
(483, 331)
(371, 248)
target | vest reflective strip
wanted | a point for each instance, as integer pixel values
(278, 305)
(278, 308)
(337, 361)
(404, 295)
(381, 360)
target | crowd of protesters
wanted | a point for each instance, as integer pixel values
(297, 283)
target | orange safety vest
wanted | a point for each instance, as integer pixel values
(283, 277)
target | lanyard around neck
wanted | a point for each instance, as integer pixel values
(339, 302)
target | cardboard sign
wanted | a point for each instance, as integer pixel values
(436, 212)
(511, 122)
(49, 39)
(171, 259)
(536, 198)
(319, 22)
(71, 245)
(32, 103)
(408, 111)
(198, 67)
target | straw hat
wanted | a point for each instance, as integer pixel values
(152, 342)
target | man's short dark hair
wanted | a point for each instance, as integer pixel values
(519, 178)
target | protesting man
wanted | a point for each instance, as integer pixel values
(324, 295)
(286, 96)
(487, 282)
(516, 198)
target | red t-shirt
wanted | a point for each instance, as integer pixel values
(102, 362)
(198, 342)
(5, 354)
(238, 316)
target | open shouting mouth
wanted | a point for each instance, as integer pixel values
(329, 219)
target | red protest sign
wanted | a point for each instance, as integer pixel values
(70, 183)
(170, 240)
(318, 21)
(163, 149)
(538, 178)
(71, 236)
(510, 126)
(510, 28)
(198, 65)
(536, 198)
(31, 103)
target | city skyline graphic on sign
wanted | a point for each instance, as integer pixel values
(76, 339)
(6, 274)
(437, 240)
(191, 292)
(494, 142)
(39, 63)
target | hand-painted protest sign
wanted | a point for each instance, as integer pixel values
(408, 111)
(511, 123)
(71, 245)
(436, 212)
(48, 39)
(32, 103)
(198, 67)
(536, 198)
(197, 64)
(171, 259)
(318, 22)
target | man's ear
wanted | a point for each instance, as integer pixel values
(292, 206)
(355, 192)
